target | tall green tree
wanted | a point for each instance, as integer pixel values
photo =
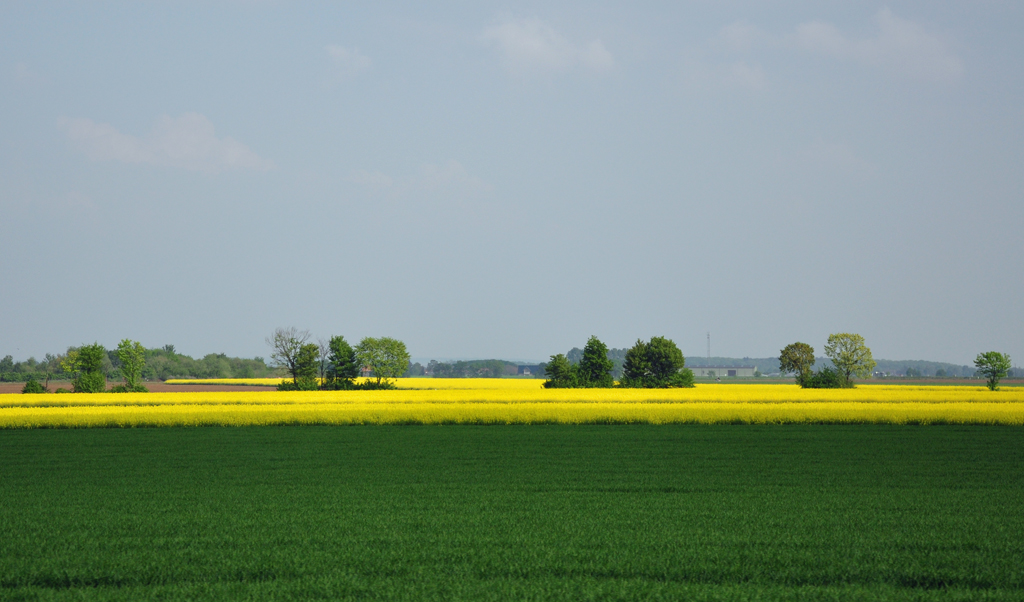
(657, 363)
(306, 362)
(561, 374)
(595, 368)
(87, 366)
(132, 356)
(850, 355)
(342, 365)
(993, 366)
(635, 366)
(385, 357)
(797, 358)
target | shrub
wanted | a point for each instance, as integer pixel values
(301, 384)
(33, 386)
(826, 378)
(128, 389)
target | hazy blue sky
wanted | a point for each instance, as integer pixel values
(487, 179)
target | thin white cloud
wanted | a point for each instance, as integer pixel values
(900, 46)
(531, 45)
(187, 142)
(346, 62)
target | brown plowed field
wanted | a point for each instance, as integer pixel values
(155, 386)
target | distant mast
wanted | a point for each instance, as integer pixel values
(709, 347)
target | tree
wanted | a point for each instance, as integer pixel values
(595, 368)
(342, 365)
(797, 358)
(87, 364)
(385, 357)
(635, 366)
(994, 366)
(655, 364)
(561, 374)
(306, 362)
(285, 344)
(850, 355)
(132, 356)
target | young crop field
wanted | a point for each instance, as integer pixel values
(547, 512)
(498, 401)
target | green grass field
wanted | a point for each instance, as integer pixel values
(539, 512)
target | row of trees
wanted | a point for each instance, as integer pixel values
(85, 367)
(851, 357)
(333, 364)
(657, 363)
(160, 364)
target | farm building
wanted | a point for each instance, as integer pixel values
(722, 371)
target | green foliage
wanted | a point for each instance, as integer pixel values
(850, 355)
(89, 382)
(342, 365)
(33, 386)
(87, 362)
(385, 357)
(655, 364)
(126, 389)
(306, 367)
(826, 378)
(132, 356)
(561, 374)
(510, 513)
(635, 366)
(594, 369)
(993, 366)
(796, 358)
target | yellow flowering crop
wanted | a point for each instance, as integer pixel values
(514, 403)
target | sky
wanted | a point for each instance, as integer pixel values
(495, 180)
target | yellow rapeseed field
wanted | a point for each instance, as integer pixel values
(511, 401)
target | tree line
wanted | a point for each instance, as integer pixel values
(85, 366)
(657, 363)
(160, 364)
(332, 364)
(851, 358)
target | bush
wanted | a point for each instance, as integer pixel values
(128, 389)
(90, 382)
(302, 384)
(372, 385)
(33, 386)
(826, 378)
